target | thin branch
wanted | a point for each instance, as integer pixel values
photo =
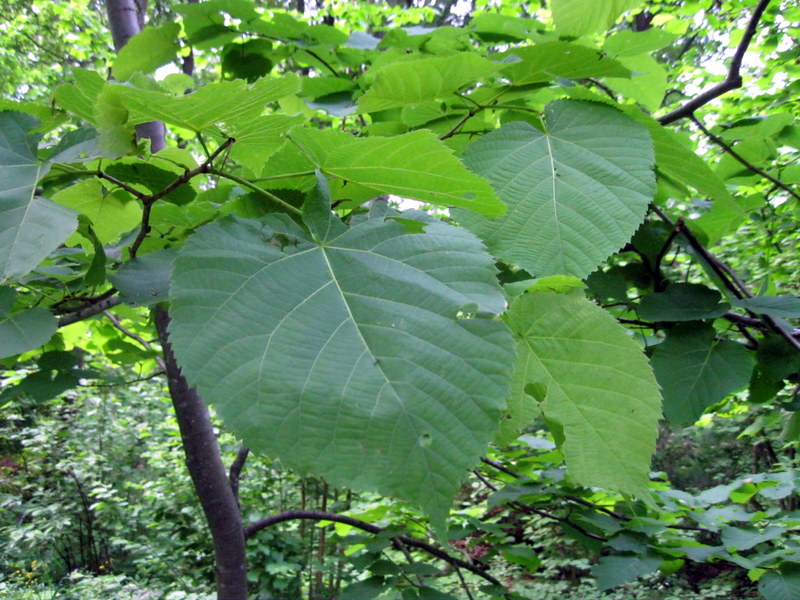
(134, 336)
(464, 585)
(236, 469)
(323, 61)
(727, 148)
(733, 79)
(125, 383)
(525, 508)
(121, 184)
(317, 515)
(89, 310)
(125, 331)
(500, 467)
(188, 174)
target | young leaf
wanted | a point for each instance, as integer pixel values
(575, 192)
(347, 358)
(595, 383)
(695, 371)
(146, 51)
(414, 165)
(215, 103)
(410, 82)
(575, 18)
(110, 216)
(30, 227)
(551, 60)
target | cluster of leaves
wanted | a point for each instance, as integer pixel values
(385, 350)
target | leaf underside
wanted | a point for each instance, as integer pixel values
(344, 356)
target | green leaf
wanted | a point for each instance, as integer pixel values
(775, 361)
(676, 159)
(347, 358)
(741, 538)
(695, 371)
(30, 227)
(575, 193)
(575, 18)
(79, 98)
(146, 51)
(413, 165)
(116, 137)
(598, 387)
(258, 138)
(249, 60)
(410, 82)
(612, 571)
(111, 215)
(682, 302)
(631, 43)
(214, 103)
(522, 555)
(646, 84)
(783, 584)
(783, 307)
(144, 281)
(23, 331)
(151, 179)
(551, 60)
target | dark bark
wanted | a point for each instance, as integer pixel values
(203, 460)
(126, 19)
(208, 475)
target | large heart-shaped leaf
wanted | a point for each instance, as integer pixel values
(30, 227)
(347, 353)
(595, 383)
(576, 192)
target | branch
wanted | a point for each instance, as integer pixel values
(89, 310)
(542, 513)
(148, 201)
(236, 469)
(733, 79)
(318, 515)
(727, 148)
(730, 280)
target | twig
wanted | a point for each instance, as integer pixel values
(149, 200)
(135, 336)
(148, 346)
(125, 383)
(236, 469)
(727, 148)
(89, 310)
(500, 467)
(464, 584)
(317, 515)
(131, 190)
(733, 79)
(525, 508)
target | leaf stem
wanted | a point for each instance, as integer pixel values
(259, 190)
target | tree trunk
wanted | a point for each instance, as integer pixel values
(208, 475)
(203, 460)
